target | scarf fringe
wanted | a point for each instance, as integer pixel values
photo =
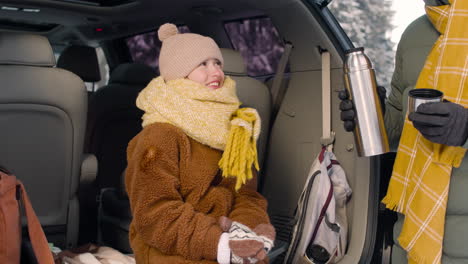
(391, 204)
(392, 199)
(240, 153)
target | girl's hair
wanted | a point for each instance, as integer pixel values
(4, 170)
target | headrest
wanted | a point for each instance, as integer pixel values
(233, 62)
(132, 73)
(25, 49)
(82, 61)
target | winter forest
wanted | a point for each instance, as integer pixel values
(368, 23)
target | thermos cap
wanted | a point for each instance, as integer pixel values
(354, 50)
(356, 60)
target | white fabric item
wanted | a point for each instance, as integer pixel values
(87, 258)
(104, 255)
(113, 256)
(322, 185)
(239, 232)
(336, 211)
(224, 253)
(68, 260)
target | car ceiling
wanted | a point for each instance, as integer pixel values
(73, 21)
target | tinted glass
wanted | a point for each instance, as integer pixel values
(259, 43)
(144, 48)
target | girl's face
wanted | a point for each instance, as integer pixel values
(209, 73)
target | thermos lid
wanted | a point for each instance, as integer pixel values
(354, 50)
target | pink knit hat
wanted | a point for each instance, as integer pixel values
(182, 53)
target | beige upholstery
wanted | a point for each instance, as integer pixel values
(233, 63)
(43, 117)
(251, 92)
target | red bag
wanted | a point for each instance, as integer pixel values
(11, 192)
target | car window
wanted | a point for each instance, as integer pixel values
(259, 43)
(144, 48)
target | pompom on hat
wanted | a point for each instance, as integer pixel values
(182, 53)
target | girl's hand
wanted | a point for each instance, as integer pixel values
(248, 246)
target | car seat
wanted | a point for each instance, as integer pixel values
(43, 116)
(114, 120)
(251, 92)
(82, 61)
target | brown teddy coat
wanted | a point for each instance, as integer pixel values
(177, 195)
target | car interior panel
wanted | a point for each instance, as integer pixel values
(50, 126)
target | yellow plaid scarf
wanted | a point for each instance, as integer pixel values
(211, 117)
(421, 175)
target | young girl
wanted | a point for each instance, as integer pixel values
(191, 174)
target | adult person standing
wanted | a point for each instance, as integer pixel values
(431, 167)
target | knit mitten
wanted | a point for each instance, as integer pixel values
(267, 233)
(244, 243)
(238, 260)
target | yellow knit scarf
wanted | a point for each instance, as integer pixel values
(421, 175)
(211, 117)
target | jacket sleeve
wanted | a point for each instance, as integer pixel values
(250, 207)
(160, 216)
(394, 108)
(465, 145)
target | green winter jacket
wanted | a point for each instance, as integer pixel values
(416, 43)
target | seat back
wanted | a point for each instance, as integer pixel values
(43, 117)
(251, 92)
(82, 61)
(114, 120)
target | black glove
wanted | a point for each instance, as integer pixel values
(348, 114)
(443, 122)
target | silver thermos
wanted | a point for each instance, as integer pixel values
(369, 134)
